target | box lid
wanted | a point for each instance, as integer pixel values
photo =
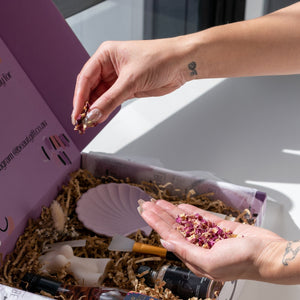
(50, 54)
(40, 58)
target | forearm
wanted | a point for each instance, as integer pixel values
(280, 263)
(269, 45)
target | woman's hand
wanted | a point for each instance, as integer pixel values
(119, 71)
(255, 253)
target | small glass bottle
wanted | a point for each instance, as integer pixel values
(35, 284)
(182, 282)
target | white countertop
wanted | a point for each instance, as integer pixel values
(244, 130)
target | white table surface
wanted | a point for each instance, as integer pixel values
(244, 130)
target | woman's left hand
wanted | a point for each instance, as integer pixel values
(255, 253)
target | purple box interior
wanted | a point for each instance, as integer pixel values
(239, 197)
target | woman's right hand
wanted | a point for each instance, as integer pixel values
(119, 71)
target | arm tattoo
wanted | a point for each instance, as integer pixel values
(192, 66)
(291, 251)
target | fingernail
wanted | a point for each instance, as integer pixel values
(140, 208)
(167, 245)
(73, 120)
(153, 200)
(92, 116)
(141, 202)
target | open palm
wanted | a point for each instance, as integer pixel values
(247, 256)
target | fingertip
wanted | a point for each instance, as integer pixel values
(73, 119)
(140, 210)
(78, 106)
(93, 116)
(168, 245)
(80, 97)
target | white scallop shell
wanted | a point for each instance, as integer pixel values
(111, 209)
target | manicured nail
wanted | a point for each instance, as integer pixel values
(167, 245)
(141, 202)
(140, 210)
(73, 120)
(92, 117)
(153, 200)
(140, 207)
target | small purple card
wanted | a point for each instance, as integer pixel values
(36, 153)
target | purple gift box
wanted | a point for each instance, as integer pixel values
(40, 58)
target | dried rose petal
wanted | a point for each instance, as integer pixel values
(81, 125)
(200, 231)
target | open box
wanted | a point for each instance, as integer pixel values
(40, 58)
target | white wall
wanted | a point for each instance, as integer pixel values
(109, 20)
(257, 8)
(254, 9)
(124, 20)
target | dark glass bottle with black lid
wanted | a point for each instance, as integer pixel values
(182, 282)
(36, 284)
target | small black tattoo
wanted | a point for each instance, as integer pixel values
(290, 252)
(192, 66)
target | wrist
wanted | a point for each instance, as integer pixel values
(202, 53)
(190, 58)
(280, 262)
(290, 262)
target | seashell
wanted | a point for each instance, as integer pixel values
(111, 209)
